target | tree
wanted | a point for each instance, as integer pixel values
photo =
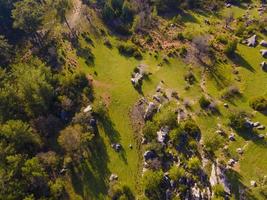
(35, 176)
(28, 15)
(73, 140)
(17, 136)
(34, 87)
(5, 51)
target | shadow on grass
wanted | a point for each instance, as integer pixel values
(218, 77)
(251, 135)
(239, 190)
(90, 177)
(240, 61)
(112, 133)
(187, 17)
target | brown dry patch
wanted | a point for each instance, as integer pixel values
(96, 83)
(106, 98)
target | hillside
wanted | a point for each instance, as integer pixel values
(133, 99)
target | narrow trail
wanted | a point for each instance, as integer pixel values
(76, 14)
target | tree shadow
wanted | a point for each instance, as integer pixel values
(112, 133)
(220, 80)
(90, 176)
(251, 135)
(236, 185)
(240, 61)
(187, 17)
(108, 127)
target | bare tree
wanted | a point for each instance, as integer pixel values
(202, 46)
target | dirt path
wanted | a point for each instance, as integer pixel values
(74, 17)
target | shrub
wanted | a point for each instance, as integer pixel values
(151, 182)
(183, 51)
(193, 164)
(86, 54)
(192, 129)
(230, 48)
(180, 36)
(130, 51)
(176, 173)
(204, 102)
(150, 131)
(213, 143)
(237, 120)
(259, 104)
(230, 92)
(222, 39)
(190, 78)
(166, 117)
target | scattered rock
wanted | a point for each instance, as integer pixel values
(263, 52)
(261, 127)
(239, 151)
(113, 177)
(231, 162)
(232, 137)
(226, 105)
(261, 136)
(253, 183)
(263, 43)
(150, 111)
(89, 108)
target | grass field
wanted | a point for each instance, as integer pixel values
(111, 73)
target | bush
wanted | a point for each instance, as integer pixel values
(204, 102)
(150, 131)
(237, 120)
(180, 36)
(259, 104)
(192, 129)
(230, 92)
(117, 192)
(222, 39)
(151, 182)
(213, 143)
(166, 117)
(130, 51)
(190, 78)
(86, 54)
(176, 173)
(194, 164)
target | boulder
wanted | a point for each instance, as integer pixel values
(232, 137)
(263, 66)
(239, 151)
(253, 183)
(261, 127)
(263, 52)
(149, 155)
(113, 177)
(252, 41)
(150, 110)
(162, 135)
(263, 43)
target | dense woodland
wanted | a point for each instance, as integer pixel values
(50, 119)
